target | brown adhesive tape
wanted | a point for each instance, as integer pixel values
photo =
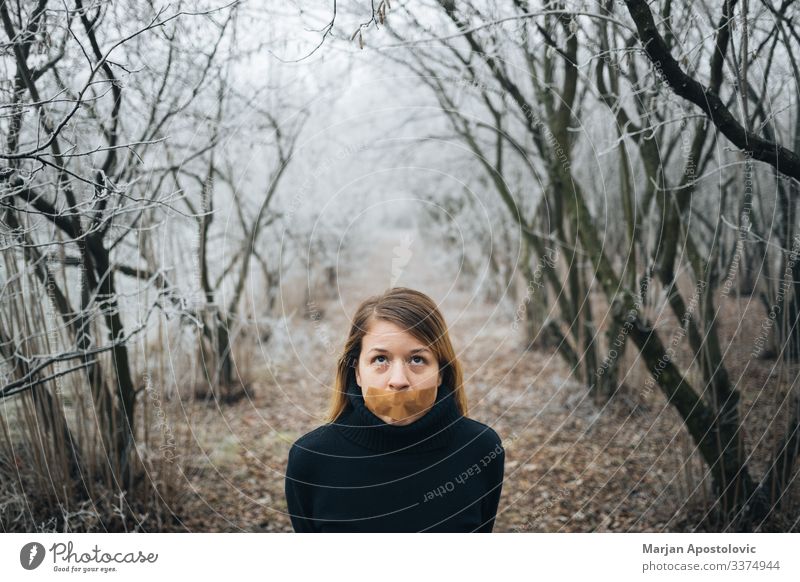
(399, 404)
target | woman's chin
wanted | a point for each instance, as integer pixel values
(402, 422)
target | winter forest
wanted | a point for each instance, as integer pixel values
(601, 196)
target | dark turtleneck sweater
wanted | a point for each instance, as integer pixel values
(441, 473)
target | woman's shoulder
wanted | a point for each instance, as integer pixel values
(483, 446)
(304, 453)
(308, 448)
(315, 440)
(481, 434)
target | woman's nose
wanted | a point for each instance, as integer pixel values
(397, 378)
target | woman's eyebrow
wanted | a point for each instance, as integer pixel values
(418, 350)
(414, 351)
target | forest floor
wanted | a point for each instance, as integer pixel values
(572, 464)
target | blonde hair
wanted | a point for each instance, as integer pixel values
(416, 313)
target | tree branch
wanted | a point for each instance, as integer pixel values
(783, 159)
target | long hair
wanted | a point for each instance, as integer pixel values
(414, 312)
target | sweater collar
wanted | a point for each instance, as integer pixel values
(434, 430)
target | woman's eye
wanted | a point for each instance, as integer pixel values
(381, 358)
(418, 359)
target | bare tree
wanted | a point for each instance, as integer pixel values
(73, 194)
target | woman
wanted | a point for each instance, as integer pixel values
(398, 453)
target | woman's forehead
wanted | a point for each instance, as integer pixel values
(385, 334)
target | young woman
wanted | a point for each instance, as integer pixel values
(398, 453)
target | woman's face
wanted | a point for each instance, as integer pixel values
(393, 359)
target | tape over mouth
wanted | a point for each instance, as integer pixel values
(399, 404)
